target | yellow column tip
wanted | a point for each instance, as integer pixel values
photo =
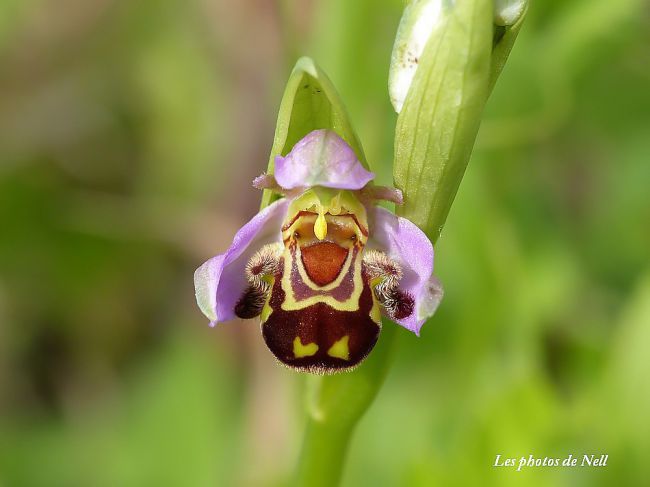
(320, 227)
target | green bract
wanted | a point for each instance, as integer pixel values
(438, 122)
(508, 17)
(310, 102)
(440, 118)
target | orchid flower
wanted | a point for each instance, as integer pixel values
(322, 264)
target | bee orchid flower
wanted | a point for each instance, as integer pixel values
(322, 264)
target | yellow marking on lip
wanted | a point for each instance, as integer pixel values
(375, 311)
(340, 348)
(267, 310)
(300, 350)
(290, 303)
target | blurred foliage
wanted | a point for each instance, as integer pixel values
(129, 133)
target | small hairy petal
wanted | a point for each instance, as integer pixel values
(251, 303)
(266, 181)
(261, 266)
(406, 244)
(321, 158)
(263, 263)
(378, 264)
(221, 281)
(398, 305)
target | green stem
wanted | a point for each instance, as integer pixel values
(334, 406)
(323, 454)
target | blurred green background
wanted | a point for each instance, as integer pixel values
(129, 134)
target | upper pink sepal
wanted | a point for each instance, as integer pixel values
(321, 158)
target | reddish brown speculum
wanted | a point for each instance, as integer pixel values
(323, 261)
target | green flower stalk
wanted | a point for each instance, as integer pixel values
(439, 92)
(320, 265)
